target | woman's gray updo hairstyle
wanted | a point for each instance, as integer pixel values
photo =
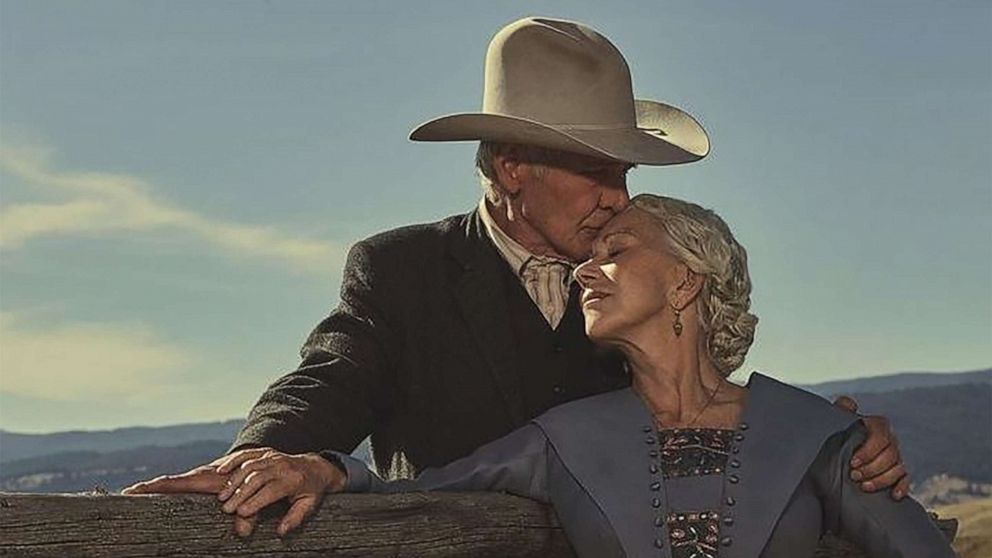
(703, 241)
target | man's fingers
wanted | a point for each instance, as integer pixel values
(887, 459)
(252, 484)
(846, 403)
(244, 526)
(879, 438)
(884, 480)
(229, 462)
(296, 514)
(269, 493)
(238, 477)
(901, 489)
(202, 480)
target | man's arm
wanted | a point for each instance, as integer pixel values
(344, 380)
(329, 402)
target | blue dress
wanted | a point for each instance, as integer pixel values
(598, 462)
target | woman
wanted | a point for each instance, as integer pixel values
(683, 463)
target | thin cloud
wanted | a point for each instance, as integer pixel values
(87, 361)
(90, 202)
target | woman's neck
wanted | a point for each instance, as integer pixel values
(679, 384)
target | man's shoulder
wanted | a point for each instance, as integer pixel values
(416, 235)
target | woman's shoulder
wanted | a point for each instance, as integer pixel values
(611, 404)
(771, 401)
(599, 417)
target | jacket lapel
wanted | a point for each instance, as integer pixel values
(609, 445)
(481, 298)
(786, 427)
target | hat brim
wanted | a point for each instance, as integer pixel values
(665, 135)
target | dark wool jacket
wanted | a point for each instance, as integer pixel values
(435, 349)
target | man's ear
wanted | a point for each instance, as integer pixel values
(688, 286)
(509, 173)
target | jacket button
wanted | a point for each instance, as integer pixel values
(730, 501)
(658, 543)
(649, 440)
(646, 429)
(743, 426)
(558, 348)
(735, 463)
(734, 479)
(656, 486)
(739, 437)
(653, 453)
(655, 503)
(659, 521)
(725, 541)
(728, 520)
(653, 469)
(557, 390)
(735, 449)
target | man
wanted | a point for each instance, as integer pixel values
(452, 334)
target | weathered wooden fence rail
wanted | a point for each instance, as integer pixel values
(431, 525)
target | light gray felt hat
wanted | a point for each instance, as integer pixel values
(561, 84)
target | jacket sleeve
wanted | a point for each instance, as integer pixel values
(882, 527)
(516, 463)
(343, 382)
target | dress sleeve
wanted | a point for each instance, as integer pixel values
(516, 463)
(880, 526)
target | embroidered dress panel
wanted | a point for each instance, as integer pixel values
(545, 279)
(689, 459)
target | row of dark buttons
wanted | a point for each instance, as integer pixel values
(659, 520)
(655, 486)
(733, 478)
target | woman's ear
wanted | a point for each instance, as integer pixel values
(687, 287)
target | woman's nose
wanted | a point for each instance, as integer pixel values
(585, 273)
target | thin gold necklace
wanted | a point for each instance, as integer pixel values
(712, 396)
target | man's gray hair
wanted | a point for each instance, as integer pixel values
(703, 241)
(540, 157)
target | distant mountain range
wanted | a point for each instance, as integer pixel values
(943, 422)
(904, 380)
(20, 446)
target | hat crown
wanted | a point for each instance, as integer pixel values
(557, 72)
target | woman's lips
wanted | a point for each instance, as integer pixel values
(592, 298)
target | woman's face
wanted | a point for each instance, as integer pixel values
(627, 281)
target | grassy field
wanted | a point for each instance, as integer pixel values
(974, 539)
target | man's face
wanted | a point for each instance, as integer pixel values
(568, 204)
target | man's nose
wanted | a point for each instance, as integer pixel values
(615, 198)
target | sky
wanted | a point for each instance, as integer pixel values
(180, 181)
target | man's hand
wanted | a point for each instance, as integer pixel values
(877, 464)
(259, 477)
(204, 479)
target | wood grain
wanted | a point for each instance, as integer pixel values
(429, 525)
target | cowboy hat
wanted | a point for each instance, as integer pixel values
(561, 84)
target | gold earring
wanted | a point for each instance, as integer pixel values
(677, 324)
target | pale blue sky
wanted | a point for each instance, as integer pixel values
(180, 180)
